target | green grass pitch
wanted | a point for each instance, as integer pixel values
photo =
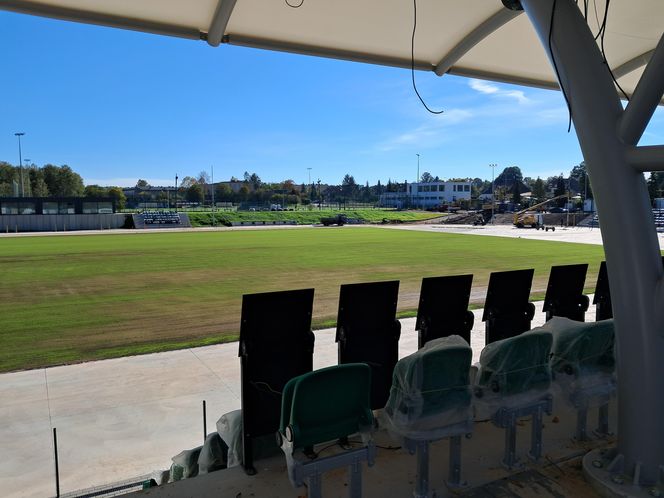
(72, 298)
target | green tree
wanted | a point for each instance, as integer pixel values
(203, 178)
(38, 186)
(195, 193)
(223, 193)
(243, 193)
(516, 195)
(560, 190)
(539, 191)
(95, 191)
(119, 196)
(348, 186)
(142, 184)
(509, 176)
(255, 181)
(426, 177)
(62, 181)
(580, 180)
(187, 182)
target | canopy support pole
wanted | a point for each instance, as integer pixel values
(630, 240)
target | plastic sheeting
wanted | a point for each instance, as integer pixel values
(582, 360)
(430, 396)
(513, 372)
(185, 464)
(229, 427)
(213, 454)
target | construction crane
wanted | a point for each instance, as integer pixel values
(530, 218)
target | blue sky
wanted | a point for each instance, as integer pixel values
(118, 105)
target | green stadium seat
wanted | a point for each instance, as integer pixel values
(583, 367)
(514, 381)
(430, 400)
(321, 406)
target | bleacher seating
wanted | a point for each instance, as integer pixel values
(432, 394)
(161, 218)
(658, 215)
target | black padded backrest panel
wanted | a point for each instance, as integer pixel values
(442, 298)
(368, 332)
(275, 316)
(565, 284)
(508, 291)
(276, 344)
(368, 307)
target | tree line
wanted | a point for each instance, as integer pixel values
(51, 181)
(61, 181)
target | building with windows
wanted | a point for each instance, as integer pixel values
(56, 205)
(39, 214)
(427, 195)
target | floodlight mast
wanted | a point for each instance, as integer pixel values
(608, 136)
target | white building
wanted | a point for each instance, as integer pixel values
(426, 195)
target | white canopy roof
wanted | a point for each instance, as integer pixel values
(478, 38)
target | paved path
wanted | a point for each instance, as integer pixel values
(578, 235)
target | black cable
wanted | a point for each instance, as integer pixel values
(596, 15)
(585, 10)
(351, 443)
(293, 5)
(555, 67)
(613, 77)
(603, 30)
(412, 61)
(315, 454)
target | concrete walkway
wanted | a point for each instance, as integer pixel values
(126, 417)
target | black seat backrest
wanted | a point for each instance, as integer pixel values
(443, 308)
(276, 344)
(368, 332)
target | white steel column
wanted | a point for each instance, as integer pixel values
(630, 240)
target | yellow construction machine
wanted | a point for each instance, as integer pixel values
(531, 218)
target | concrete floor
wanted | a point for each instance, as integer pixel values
(127, 417)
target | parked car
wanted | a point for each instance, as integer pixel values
(557, 210)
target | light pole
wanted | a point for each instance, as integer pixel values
(493, 200)
(417, 180)
(176, 192)
(20, 160)
(309, 171)
(212, 178)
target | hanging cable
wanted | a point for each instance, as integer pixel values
(412, 61)
(601, 43)
(555, 67)
(596, 14)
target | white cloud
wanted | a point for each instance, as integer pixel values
(491, 89)
(483, 86)
(430, 133)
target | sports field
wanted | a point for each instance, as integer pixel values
(72, 298)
